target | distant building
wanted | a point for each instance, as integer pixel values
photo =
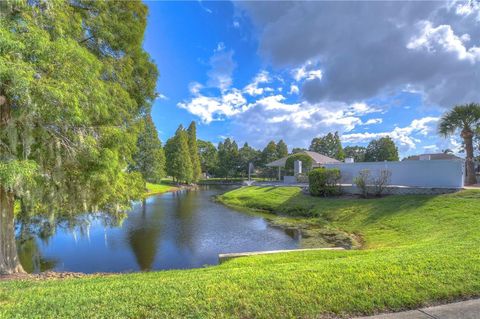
(433, 157)
(318, 160)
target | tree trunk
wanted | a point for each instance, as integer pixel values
(9, 262)
(470, 165)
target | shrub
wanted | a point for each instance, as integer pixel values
(306, 160)
(380, 183)
(362, 181)
(324, 182)
(369, 184)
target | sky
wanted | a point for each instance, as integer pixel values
(261, 71)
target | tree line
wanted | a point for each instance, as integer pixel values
(185, 158)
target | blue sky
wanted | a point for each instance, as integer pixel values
(294, 71)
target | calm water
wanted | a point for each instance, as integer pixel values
(171, 231)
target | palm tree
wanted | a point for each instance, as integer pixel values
(465, 118)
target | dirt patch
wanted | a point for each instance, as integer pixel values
(49, 275)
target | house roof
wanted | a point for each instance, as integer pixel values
(434, 156)
(317, 158)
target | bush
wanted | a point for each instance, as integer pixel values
(306, 160)
(362, 181)
(369, 184)
(324, 182)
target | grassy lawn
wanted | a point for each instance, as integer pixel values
(155, 189)
(417, 250)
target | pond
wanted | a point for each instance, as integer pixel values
(185, 229)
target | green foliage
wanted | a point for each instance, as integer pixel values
(149, 159)
(355, 152)
(306, 160)
(208, 156)
(247, 155)
(269, 153)
(177, 152)
(383, 149)
(324, 181)
(296, 150)
(461, 117)
(17, 176)
(73, 80)
(194, 156)
(228, 158)
(282, 149)
(328, 145)
(466, 119)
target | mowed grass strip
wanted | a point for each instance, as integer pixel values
(418, 250)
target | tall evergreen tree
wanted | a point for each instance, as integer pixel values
(328, 145)
(282, 149)
(149, 159)
(383, 149)
(228, 158)
(177, 153)
(247, 155)
(194, 156)
(208, 156)
(269, 153)
(71, 89)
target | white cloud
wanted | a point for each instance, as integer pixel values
(161, 96)
(294, 89)
(405, 137)
(210, 109)
(443, 38)
(361, 109)
(373, 121)
(468, 8)
(307, 72)
(253, 88)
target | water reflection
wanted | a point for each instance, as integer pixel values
(170, 231)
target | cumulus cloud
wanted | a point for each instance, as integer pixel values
(253, 88)
(210, 109)
(362, 50)
(405, 137)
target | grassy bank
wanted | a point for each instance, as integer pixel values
(418, 250)
(156, 189)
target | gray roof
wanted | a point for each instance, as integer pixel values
(318, 159)
(434, 156)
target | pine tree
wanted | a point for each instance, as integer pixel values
(269, 153)
(194, 156)
(149, 158)
(282, 149)
(228, 158)
(177, 152)
(208, 156)
(328, 145)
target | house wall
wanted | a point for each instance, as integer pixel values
(438, 174)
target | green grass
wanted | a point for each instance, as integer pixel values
(418, 250)
(155, 189)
